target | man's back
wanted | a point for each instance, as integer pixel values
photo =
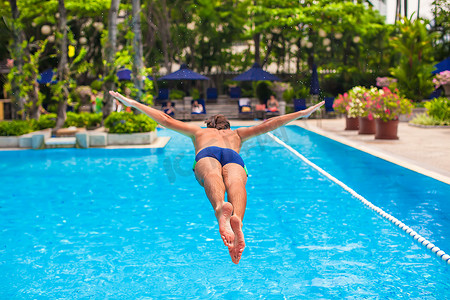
(220, 138)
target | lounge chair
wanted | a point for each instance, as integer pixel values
(299, 104)
(163, 94)
(235, 92)
(211, 95)
(329, 104)
(329, 110)
(245, 108)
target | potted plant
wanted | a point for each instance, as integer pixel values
(443, 79)
(387, 82)
(386, 107)
(359, 108)
(126, 128)
(342, 105)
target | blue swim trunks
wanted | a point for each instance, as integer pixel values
(222, 155)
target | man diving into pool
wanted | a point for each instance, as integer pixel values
(218, 166)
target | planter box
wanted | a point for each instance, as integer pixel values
(102, 139)
(143, 138)
(23, 141)
(9, 141)
(91, 139)
(415, 111)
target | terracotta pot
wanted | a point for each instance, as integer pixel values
(446, 88)
(351, 123)
(366, 126)
(386, 130)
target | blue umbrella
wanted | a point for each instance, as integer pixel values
(46, 77)
(125, 74)
(184, 74)
(314, 90)
(256, 73)
(442, 66)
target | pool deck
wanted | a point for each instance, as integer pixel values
(424, 150)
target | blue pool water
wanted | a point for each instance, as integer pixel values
(134, 224)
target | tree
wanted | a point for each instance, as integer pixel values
(17, 49)
(63, 70)
(138, 64)
(441, 25)
(109, 53)
(413, 72)
(158, 17)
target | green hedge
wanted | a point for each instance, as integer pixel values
(439, 109)
(44, 122)
(83, 120)
(15, 128)
(127, 122)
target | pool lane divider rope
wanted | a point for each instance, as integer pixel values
(424, 242)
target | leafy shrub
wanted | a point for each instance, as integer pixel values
(301, 91)
(439, 109)
(288, 95)
(195, 93)
(176, 94)
(127, 122)
(15, 128)
(425, 119)
(44, 122)
(93, 120)
(83, 119)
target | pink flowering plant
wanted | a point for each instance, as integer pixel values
(389, 105)
(386, 82)
(341, 103)
(361, 102)
(442, 78)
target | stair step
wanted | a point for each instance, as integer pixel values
(60, 142)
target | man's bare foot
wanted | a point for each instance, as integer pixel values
(224, 224)
(239, 242)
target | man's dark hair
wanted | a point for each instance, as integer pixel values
(219, 122)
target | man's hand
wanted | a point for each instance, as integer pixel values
(126, 101)
(307, 112)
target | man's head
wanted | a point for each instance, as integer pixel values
(219, 122)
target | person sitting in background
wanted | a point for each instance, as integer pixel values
(197, 108)
(169, 109)
(272, 104)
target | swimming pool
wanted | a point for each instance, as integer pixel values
(135, 224)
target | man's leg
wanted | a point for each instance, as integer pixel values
(208, 172)
(235, 179)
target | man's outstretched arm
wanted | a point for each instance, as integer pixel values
(160, 117)
(273, 123)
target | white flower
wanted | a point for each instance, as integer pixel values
(322, 33)
(46, 30)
